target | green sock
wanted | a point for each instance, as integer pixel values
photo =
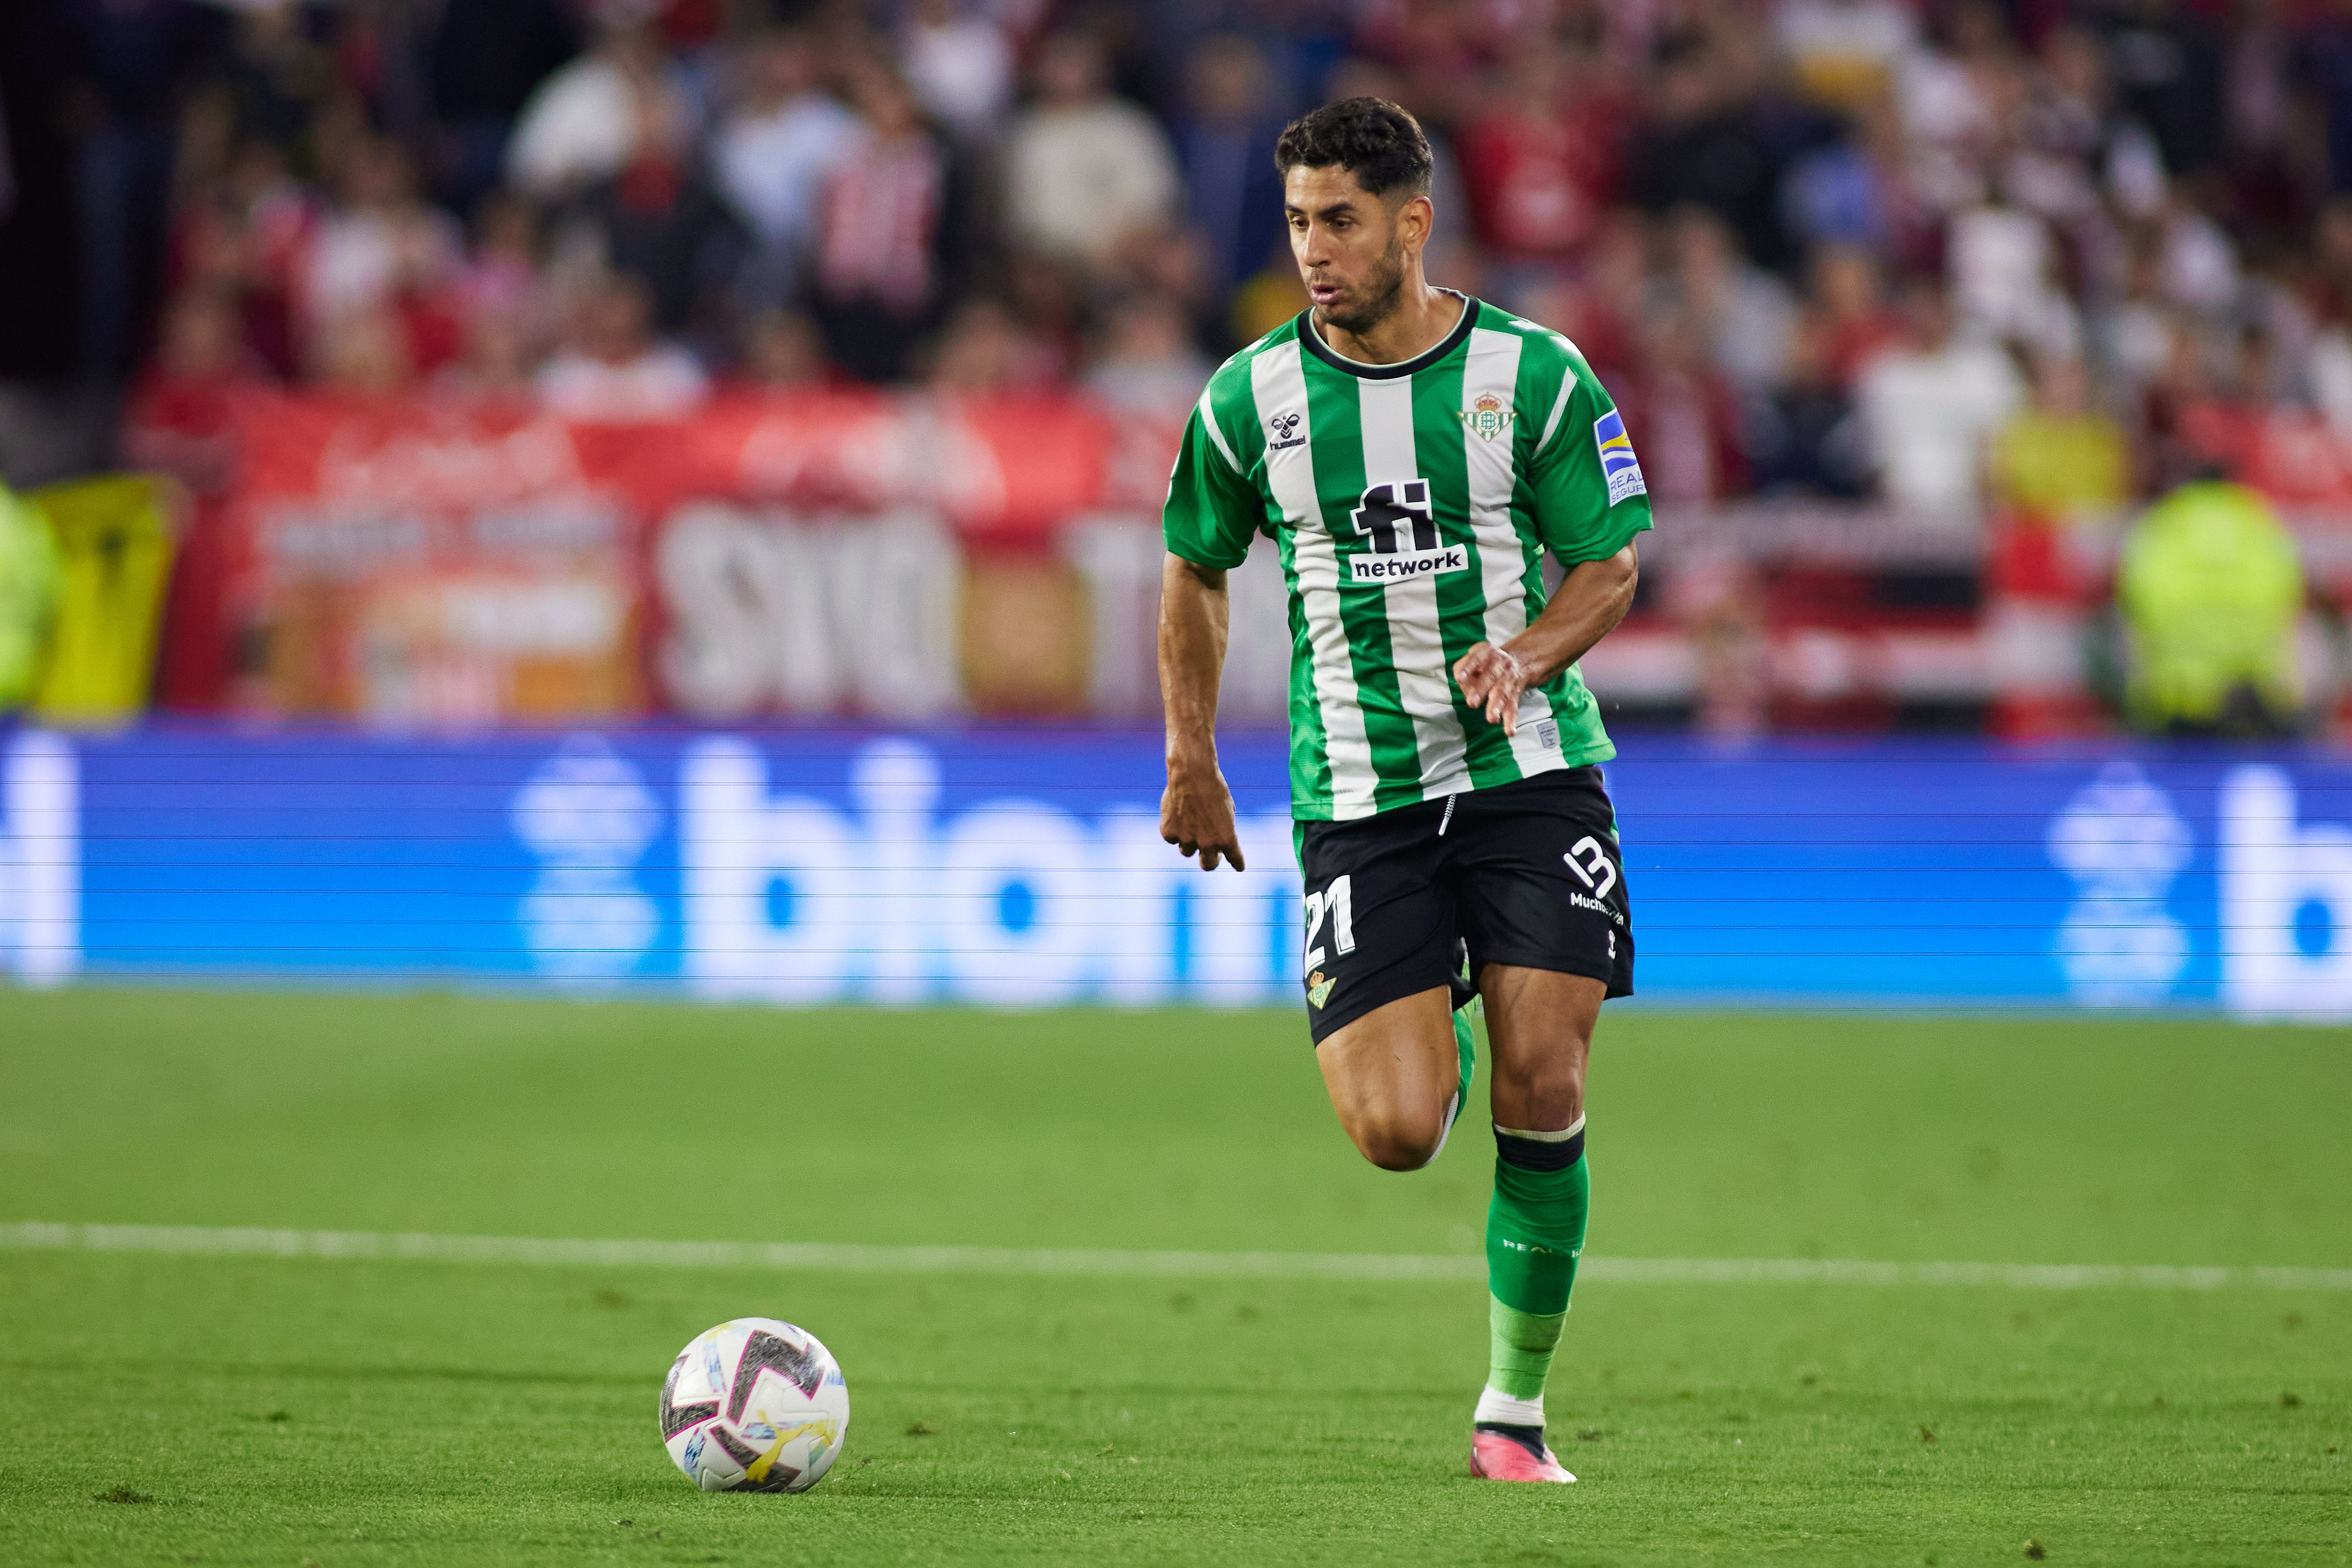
(1535, 1233)
(1465, 1047)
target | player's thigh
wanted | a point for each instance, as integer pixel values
(1540, 891)
(1392, 1074)
(1380, 941)
(1540, 1025)
(1538, 882)
(1379, 920)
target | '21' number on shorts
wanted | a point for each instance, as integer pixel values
(1337, 903)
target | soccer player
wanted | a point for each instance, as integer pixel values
(1413, 453)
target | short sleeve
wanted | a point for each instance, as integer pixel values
(1591, 498)
(1211, 512)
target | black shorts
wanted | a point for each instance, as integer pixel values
(1526, 873)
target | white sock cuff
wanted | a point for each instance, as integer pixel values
(1562, 1136)
(1500, 1408)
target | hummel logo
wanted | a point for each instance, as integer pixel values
(1281, 427)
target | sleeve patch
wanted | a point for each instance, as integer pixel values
(1618, 464)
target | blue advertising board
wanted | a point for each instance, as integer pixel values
(1023, 866)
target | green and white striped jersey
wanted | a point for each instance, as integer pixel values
(1411, 505)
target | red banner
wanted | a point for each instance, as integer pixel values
(434, 561)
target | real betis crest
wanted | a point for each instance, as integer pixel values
(1318, 988)
(1487, 418)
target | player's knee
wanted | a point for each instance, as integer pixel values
(1399, 1139)
(1547, 1092)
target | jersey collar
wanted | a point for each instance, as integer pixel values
(1422, 360)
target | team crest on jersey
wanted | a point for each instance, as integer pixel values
(1283, 429)
(1318, 988)
(1487, 417)
(1618, 464)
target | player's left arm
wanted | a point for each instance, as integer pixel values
(1590, 501)
(1592, 598)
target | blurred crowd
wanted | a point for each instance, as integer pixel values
(2050, 255)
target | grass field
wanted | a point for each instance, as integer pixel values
(231, 1409)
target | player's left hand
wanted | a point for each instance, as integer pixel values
(1490, 678)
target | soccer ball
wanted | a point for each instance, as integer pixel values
(754, 1405)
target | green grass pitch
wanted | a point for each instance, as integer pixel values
(162, 1409)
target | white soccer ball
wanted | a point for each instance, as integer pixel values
(757, 1406)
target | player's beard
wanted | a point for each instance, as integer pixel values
(1382, 288)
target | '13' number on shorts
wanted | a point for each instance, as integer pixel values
(1599, 867)
(1338, 901)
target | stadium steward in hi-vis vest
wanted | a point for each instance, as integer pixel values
(1411, 505)
(1412, 454)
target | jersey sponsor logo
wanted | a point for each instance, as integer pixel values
(1438, 563)
(1488, 417)
(1618, 464)
(1396, 519)
(1581, 901)
(1282, 431)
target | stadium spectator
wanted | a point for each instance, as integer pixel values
(1148, 363)
(485, 59)
(2061, 460)
(1233, 197)
(1855, 321)
(589, 121)
(1846, 53)
(504, 275)
(497, 363)
(180, 405)
(773, 154)
(380, 248)
(2211, 588)
(364, 351)
(128, 66)
(1803, 437)
(1707, 144)
(278, 76)
(1742, 314)
(614, 368)
(661, 221)
(960, 65)
(881, 259)
(1084, 168)
(249, 236)
(782, 352)
(1930, 406)
(984, 349)
(1542, 161)
(1682, 411)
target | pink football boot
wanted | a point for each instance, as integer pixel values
(1498, 1455)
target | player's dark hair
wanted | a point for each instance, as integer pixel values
(1370, 138)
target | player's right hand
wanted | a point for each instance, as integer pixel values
(1196, 815)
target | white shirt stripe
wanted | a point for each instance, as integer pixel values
(1493, 366)
(1216, 436)
(1279, 385)
(1415, 643)
(1558, 407)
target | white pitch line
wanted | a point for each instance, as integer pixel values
(568, 1251)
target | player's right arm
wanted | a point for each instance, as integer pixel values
(1196, 813)
(1211, 514)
